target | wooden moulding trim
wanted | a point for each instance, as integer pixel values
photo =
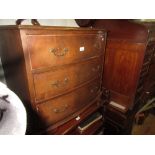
(59, 28)
(127, 106)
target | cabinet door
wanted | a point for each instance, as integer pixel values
(123, 61)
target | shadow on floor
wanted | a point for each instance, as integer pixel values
(147, 128)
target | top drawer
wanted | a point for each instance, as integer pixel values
(60, 49)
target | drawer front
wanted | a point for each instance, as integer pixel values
(56, 50)
(52, 83)
(59, 108)
(70, 126)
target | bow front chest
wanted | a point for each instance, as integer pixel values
(57, 72)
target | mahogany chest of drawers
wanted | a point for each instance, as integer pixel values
(57, 72)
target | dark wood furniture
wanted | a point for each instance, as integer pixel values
(129, 69)
(57, 72)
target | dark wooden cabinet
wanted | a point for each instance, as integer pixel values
(129, 68)
(57, 72)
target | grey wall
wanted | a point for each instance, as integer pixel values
(50, 22)
(47, 22)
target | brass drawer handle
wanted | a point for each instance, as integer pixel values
(58, 51)
(59, 84)
(56, 110)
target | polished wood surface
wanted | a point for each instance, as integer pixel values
(56, 71)
(127, 59)
(59, 108)
(119, 29)
(129, 68)
(62, 48)
(121, 71)
(70, 127)
(129, 51)
(56, 82)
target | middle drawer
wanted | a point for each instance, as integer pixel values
(56, 82)
(62, 107)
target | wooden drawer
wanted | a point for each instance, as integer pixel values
(70, 126)
(56, 82)
(59, 108)
(58, 49)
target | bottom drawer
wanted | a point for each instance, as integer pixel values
(70, 127)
